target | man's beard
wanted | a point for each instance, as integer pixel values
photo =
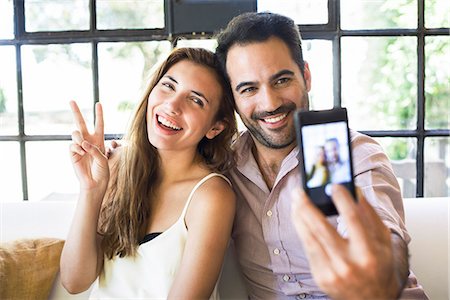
(277, 138)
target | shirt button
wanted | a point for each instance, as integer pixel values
(286, 278)
(269, 213)
(276, 251)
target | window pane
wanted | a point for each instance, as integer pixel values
(437, 82)
(379, 14)
(209, 44)
(6, 19)
(10, 176)
(56, 15)
(402, 153)
(437, 13)
(8, 92)
(124, 69)
(130, 14)
(51, 159)
(301, 11)
(52, 76)
(318, 54)
(379, 82)
(437, 167)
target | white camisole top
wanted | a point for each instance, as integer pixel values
(149, 275)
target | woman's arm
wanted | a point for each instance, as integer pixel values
(81, 258)
(209, 221)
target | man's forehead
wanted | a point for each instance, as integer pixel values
(259, 58)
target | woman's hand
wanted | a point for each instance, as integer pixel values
(88, 151)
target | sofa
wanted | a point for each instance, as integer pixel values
(426, 220)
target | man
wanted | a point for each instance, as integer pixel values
(339, 170)
(356, 256)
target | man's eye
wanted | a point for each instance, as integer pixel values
(283, 80)
(248, 90)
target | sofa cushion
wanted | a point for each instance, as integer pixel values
(28, 267)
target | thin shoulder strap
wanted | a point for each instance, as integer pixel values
(204, 179)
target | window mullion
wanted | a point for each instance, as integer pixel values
(337, 67)
(420, 99)
(21, 117)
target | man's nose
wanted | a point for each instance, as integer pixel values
(270, 100)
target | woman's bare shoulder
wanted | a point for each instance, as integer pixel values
(216, 191)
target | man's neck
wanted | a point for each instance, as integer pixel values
(269, 161)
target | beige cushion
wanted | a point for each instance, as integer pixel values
(28, 267)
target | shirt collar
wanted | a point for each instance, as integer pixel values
(246, 163)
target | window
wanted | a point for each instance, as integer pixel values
(386, 61)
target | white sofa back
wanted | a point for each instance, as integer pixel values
(426, 220)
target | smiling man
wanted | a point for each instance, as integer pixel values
(363, 254)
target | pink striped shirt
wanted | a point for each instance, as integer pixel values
(269, 250)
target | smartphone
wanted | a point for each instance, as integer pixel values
(325, 154)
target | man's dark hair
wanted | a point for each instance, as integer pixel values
(259, 27)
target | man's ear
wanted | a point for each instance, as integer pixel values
(307, 77)
(215, 130)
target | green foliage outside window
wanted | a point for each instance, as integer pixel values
(2, 101)
(396, 87)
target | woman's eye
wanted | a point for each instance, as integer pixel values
(168, 85)
(198, 101)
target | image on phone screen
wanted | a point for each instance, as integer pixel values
(326, 158)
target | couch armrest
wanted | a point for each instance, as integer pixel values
(427, 223)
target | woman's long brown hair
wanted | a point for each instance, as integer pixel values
(126, 208)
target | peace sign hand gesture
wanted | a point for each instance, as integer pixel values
(88, 152)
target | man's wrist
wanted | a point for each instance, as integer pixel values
(401, 262)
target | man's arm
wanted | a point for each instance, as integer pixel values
(401, 260)
(371, 263)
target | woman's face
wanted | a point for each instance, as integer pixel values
(320, 155)
(182, 106)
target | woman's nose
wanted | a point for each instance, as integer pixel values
(174, 104)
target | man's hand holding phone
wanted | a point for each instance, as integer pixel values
(358, 266)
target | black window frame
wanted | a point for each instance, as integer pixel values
(330, 31)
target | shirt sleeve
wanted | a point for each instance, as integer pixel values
(375, 177)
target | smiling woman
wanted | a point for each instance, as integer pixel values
(160, 191)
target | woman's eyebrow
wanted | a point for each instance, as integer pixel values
(200, 95)
(171, 78)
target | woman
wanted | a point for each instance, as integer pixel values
(319, 174)
(155, 223)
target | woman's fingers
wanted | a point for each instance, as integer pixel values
(77, 149)
(99, 123)
(79, 120)
(93, 150)
(77, 138)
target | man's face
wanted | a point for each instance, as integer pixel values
(268, 87)
(332, 152)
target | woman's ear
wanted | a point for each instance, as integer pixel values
(215, 130)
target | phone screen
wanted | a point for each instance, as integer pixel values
(325, 156)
